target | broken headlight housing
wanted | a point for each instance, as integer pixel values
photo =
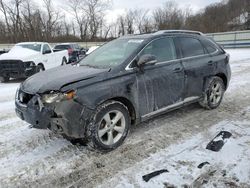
(57, 97)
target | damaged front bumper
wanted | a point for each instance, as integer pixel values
(66, 117)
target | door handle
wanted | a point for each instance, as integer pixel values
(210, 63)
(176, 70)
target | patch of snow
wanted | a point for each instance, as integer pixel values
(7, 106)
(182, 160)
(9, 121)
(13, 163)
(238, 54)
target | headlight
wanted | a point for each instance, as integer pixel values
(57, 97)
(29, 64)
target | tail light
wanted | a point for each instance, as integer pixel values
(70, 51)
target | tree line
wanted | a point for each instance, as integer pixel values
(84, 20)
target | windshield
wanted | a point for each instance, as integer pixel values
(112, 54)
(36, 47)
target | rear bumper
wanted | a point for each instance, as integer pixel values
(68, 117)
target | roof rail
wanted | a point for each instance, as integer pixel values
(178, 31)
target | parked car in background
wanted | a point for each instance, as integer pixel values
(91, 49)
(75, 52)
(28, 58)
(126, 81)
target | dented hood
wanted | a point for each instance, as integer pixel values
(54, 79)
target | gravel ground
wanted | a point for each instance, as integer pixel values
(39, 158)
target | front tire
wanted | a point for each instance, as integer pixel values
(214, 93)
(110, 127)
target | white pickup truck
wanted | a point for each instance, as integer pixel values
(28, 58)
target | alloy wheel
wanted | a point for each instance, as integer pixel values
(216, 93)
(111, 127)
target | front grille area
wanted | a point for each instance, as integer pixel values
(24, 97)
(12, 65)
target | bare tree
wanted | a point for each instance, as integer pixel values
(130, 20)
(77, 8)
(168, 17)
(121, 25)
(142, 20)
(49, 19)
(3, 8)
(25, 20)
(95, 11)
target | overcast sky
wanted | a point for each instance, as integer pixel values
(150, 4)
(120, 6)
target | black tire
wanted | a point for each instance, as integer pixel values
(99, 125)
(212, 99)
(4, 79)
(64, 61)
(39, 68)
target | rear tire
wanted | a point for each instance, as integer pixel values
(110, 126)
(213, 93)
(4, 79)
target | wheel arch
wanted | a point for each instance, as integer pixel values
(41, 64)
(128, 104)
(220, 75)
(224, 78)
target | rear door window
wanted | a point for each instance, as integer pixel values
(163, 49)
(46, 48)
(191, 47)
(62, 47)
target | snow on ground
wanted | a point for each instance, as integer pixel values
(175, 141)
(182, 160)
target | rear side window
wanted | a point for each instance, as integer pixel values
(163, 49)
(191, 47)
(209, 46)
(46, 48)
(62, 47)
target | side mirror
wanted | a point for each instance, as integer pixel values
(47, 52)
(147, 59)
